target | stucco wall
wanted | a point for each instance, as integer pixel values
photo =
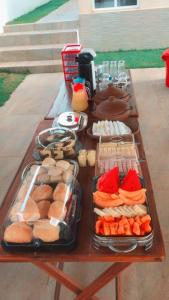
(11, 9)
(138, 29)
(86, 7)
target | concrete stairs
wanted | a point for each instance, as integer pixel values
(35, 47)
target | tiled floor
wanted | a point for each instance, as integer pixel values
(141, 281)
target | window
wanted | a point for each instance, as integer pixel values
(114, 3)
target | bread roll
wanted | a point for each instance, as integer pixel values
(18, 233)
(46, 232)
(43, 207)
(57, 210)
(41, 192)
(31, 212)
(48, 161)
(55, 179)
(63, 164)
(43, 178)
(61, 192)
(55, 171)
(67, 176)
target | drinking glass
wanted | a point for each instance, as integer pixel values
(114, 70)
(106, 68)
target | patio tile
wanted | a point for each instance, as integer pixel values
(147, 280)
(24, 281)
(85, 273)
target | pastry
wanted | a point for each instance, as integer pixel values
(82, 159)
(43, 207)
(42, 192)
(61, 192)
(58, 154)
(45, 152)
(109, 128)
(46, 232)
(63, 164)
(18, 232)
(70, 152)
(91, 158)
(48, 161)
(57, 210)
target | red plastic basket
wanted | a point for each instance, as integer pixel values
(70, 66)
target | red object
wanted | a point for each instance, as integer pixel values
(131, 182)
(109, 182)
(70, 66)
(78, 86)
(165, 57)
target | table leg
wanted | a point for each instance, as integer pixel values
(102, 280)
(62, 278)
(118, 288)
(58, 285)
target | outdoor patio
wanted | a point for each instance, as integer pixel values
(19, 118)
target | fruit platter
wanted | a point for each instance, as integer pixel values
(122, 219)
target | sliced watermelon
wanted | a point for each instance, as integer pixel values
(109, 182)
(131, 182)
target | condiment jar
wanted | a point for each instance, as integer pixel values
(79, 98)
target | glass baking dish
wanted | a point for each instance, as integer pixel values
(45, 212)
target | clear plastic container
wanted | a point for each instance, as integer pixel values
(121, 152)
(45, 210)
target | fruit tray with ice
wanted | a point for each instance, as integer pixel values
(122, 219)
(44, 214)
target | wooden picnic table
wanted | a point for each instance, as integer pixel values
(84, 251)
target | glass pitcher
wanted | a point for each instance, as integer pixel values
(79, 98)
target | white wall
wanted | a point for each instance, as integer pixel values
(86, 7)
(11, 9)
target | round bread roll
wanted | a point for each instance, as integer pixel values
(63, 164)
(31, 211)
(43, 178)
(46, 232)
(42, 192)
(18, 232)
(61, 192)
(55, 179)
(67, 176)
(43, 208)
(57, 210)
(55, 171)
(48, 161)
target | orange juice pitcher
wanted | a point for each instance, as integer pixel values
(79, 98)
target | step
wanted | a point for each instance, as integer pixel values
(45, 66)
(41, 26)
(39, 37)
(37, 52)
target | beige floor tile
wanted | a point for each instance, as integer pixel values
(85, 273)
(24, 282)
(148, 281)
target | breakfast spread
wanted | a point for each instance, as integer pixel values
(46, 208)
